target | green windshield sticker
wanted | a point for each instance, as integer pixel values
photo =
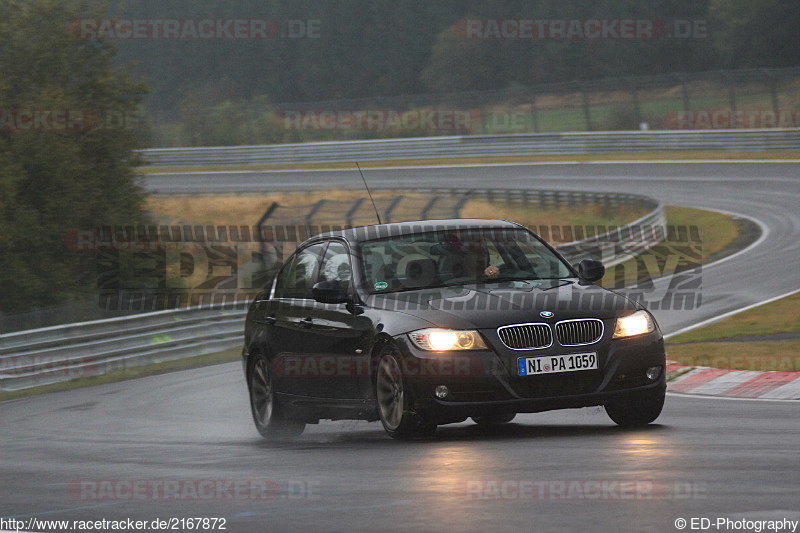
(379, 286)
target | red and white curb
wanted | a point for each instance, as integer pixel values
(732, 383)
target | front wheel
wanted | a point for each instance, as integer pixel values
(635, 410)
(267, 414)
(394, 400)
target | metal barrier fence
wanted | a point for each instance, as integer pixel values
(448, 203)
(479, 146)
(435, 204)
(61, 353)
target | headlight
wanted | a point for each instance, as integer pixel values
(635, 324)
(444, 340)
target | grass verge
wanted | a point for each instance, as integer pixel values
(775, 317)
(717, 346)
(246, 210)
(719, 233)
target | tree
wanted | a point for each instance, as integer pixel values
(459, 64)
(66, 150)
(756, 33)
(492, 61)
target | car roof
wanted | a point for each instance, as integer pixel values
(381, 231)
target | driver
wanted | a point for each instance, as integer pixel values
(469, 258)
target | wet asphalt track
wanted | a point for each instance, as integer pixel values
(704, 458)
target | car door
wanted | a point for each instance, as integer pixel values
(289, 312)
(340, 336)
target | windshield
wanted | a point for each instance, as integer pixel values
(457, 257)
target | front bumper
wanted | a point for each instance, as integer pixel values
(487, 382)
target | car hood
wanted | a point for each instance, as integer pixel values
(491, 305)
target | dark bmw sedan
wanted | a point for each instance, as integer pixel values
(419, 324)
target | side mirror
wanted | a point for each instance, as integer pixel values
(591, 270)
(329, 292)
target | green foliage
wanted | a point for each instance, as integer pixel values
(756, 33)
(206, 91)
(458, 64)
(367, 48)
(51, 180)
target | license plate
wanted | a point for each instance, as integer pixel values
(551, 364)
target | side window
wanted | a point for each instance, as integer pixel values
(300, 275)
(336, 265)
(282, 277)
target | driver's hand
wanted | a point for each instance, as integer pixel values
(491, 271)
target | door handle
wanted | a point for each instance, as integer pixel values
(270, 319)
(307, 322)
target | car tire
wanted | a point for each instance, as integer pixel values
(267, 414)
(635, 411)
(494, 420)
(393, 400)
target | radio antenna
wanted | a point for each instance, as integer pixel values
(370, 194)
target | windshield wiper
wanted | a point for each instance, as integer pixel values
(509, 278)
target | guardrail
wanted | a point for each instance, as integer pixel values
(60, 353)
(479, 146)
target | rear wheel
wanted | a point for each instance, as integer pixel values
(494, 420)
(635, 410)
(267, 414)
(394, 400)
